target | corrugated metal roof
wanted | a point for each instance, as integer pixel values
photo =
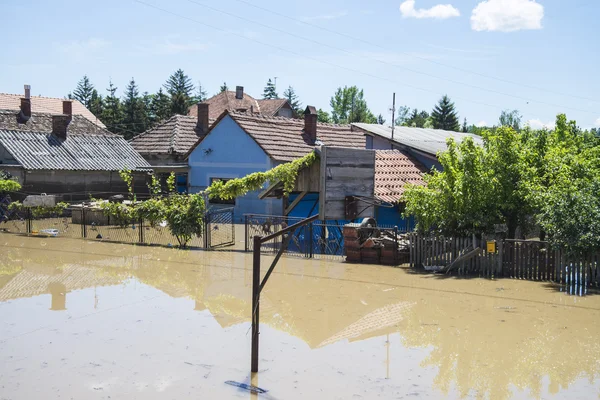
(430, 141)
(41, 150)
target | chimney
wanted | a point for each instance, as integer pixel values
(310, 123)
(202, 124)
(68, 107)
(25, 112)
(239, 92)
(60, 123)
(27, 91)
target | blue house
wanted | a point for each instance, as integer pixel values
(240, 143)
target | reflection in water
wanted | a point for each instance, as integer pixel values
(480, 338)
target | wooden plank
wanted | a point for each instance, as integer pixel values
(297, 200)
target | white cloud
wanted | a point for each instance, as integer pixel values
(507, 15)
(440, 11)
(481, 124)
(538, 124)
(597, 123)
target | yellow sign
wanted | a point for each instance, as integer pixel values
(491, 246)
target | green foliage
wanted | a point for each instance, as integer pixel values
(160, 107)
(180, 87)
(270, 91)
(9, 185)
(323, 116)
(380, 119)
(96, 104)
(121, 214)
(292, 98)
(39, 212)
(348, 105)
(184, 214)
(444, 115)
(416, 119)
(127, 177)
(112, 113)
(83, 92)
(402, 115)
(511, 118)
(284, 173)
(135, 113)
(171, 183)
(154, 186)
(223, 87)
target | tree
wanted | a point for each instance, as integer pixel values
(180, 87)
(223, 87)
(465, 127)
(135, 115)
(444, 115)
(417, 119)
(511, 118)
(200, 95)
(160, 106)
(96, 104)
(270, 91)
(380, 119)
(402, 114)
(323, 116)
(83, 92)
(293, 99)
(348, 105)
(112, 114)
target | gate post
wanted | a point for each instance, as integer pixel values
(500, 266)
(255, 302)
(206, 230)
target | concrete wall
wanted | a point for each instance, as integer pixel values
(228, 152)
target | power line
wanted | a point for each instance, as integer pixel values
(385, 62)
(313, 58)
(413, 55)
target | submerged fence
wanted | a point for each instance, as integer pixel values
(519, 259)
(87, 223)
(317, 239)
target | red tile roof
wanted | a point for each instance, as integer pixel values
(393, 170)
(283, 139)
(45, 105)
(227, 101)
(175, 136)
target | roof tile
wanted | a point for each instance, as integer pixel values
(393, 170)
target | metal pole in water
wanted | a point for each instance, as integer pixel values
(255, 301)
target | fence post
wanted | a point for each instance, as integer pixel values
(28, 221)
(141, 229)
(310, 241)
(246, 232)
(500, 267)
(83, 222)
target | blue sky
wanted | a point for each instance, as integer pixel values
(486, 55)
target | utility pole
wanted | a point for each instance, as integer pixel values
(393, 114)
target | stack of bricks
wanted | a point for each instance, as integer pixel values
(352, 243)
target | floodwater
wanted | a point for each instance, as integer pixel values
(90, 320)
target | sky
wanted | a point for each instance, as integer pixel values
(540, 57)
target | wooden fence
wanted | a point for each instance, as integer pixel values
(519, 259)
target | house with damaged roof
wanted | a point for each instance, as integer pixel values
(240, 143)
(66, 154)
(166, 145)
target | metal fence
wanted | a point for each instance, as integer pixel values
(92, 224)
(318, 239)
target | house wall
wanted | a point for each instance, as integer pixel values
(229, 152)
(79, 185)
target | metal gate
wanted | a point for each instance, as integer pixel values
(220, 228)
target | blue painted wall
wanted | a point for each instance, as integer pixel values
(228, 152)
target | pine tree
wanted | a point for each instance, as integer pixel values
(83, 92)
(96, 104)
(223, 87)
(465, 126)
(270, 91)
(293, 99)
(135, 116)
(180, 87)
(200, 95)
(160, 107)
(112, 114)
(444, 115)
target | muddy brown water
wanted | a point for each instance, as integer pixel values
(90, 320)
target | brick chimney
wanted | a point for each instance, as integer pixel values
(68, 107)
(60, 123)
(25, 112)
(202, 124)
(239, 92)
(310, 123)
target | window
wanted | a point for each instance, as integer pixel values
(221, 201)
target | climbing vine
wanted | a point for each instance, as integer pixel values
(284, 173)
(8, 183)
